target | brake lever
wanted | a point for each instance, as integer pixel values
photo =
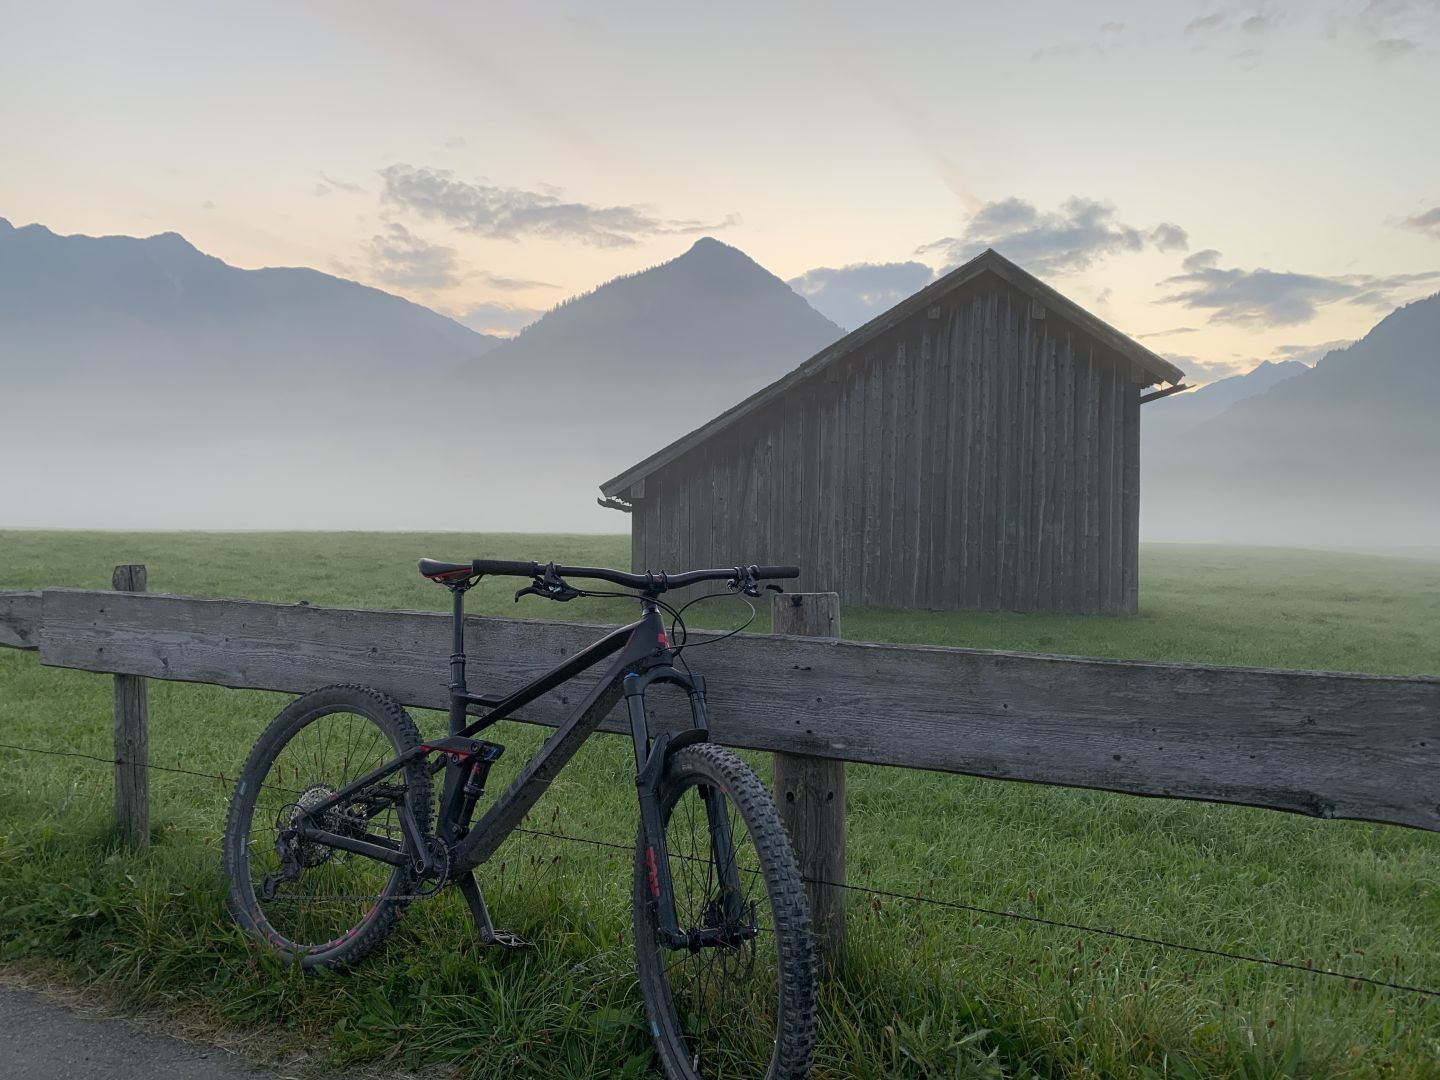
(551, 586)
(744, 582)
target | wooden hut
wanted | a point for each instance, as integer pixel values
(976, 446)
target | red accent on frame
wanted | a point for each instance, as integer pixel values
(662, 640)
(450, 575)
(427, 749)
(654, 874)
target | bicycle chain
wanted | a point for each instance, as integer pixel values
(368, 898)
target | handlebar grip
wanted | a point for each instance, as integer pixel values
(777, 571)
(507, 568)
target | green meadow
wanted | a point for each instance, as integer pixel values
(924, 992)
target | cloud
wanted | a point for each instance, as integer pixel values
(511, 284)
(1081, 233)
(1168, 237)
(1427, 224)
(1171, 332)
(853, 295)
(1201, 259)
(498, 318)
(1111, 37)
(1204, 24)
(1261, 297)
(398, 257)
(1308, 355)
(327, 184)
(1241, 31)
(514, 214)
(1387, 49)
(1391, 29)
(1383, 18)
(1205, 371)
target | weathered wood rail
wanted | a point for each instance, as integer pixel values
(1330, 745)
(20, 620)
(1344, 746)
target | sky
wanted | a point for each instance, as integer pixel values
(1228, 183)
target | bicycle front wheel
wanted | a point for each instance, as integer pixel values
(744, 1004)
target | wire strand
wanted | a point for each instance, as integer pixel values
(1021, 916)
(1307, 968)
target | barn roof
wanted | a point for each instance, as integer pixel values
(987, 262)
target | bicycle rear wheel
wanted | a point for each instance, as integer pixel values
(745, 1009)
(335, 906)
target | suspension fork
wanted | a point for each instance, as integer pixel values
(651, 757)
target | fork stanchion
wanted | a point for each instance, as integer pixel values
(132, 738)
(810, 791)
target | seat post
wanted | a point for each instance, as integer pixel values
(457, 657)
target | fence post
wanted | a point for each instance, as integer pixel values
(810, 792)
(132, 738)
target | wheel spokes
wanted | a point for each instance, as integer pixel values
(725, 996)
(333, 890)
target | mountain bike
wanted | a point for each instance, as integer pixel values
(334, 829)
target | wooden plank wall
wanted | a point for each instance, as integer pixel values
(984, 454)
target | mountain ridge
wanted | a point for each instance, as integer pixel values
(1168, 417)
(314, 399)
(1347, 450)
(126, 263)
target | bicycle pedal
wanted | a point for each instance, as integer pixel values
(508, 940)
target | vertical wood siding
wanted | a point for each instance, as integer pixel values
(983, 454)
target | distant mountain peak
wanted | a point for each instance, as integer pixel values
(5, 225)
(711, 325)
(171, 241)
(703, 281)
(713, 264)
(709, 252)
(709, 243)
(707, 247)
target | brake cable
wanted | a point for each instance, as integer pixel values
(553, 587)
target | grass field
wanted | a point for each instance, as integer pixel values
(924, 992)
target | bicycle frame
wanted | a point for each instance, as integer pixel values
(642, 656)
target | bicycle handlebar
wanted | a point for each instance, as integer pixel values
(502, 568)
(650, 581)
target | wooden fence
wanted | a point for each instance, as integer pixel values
(1329, 745)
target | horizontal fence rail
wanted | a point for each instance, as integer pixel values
(1329, 745)
(20, 620)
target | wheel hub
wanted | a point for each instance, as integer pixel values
(310, 853)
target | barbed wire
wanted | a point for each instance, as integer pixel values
(1307, 968)
(870, 890)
